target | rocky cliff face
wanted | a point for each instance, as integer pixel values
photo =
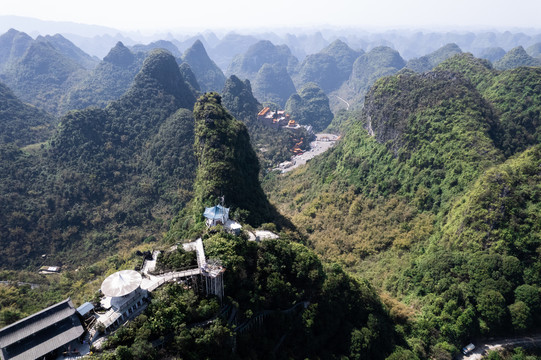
(397, 105)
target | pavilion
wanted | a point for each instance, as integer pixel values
(216, 215)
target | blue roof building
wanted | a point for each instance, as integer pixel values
(216, 215)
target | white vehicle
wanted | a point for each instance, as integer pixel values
(468, 349)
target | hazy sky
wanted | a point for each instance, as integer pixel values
(166, 15)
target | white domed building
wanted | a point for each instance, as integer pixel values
(123, 298)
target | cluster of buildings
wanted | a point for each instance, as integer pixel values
(62, 331)
(277, 119)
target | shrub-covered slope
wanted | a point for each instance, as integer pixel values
(109, 177)
(22, 124)
(108, 81)
(209, 76)
(428, 62)
(428, 197)
(248, 64)
(43, 76)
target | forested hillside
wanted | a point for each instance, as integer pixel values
(22, 124)
(111, 78)
(208, 74)
(248, 64)
(418, 232)
(428, 62)
(107, 178)
(431, 197)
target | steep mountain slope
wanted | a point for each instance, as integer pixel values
(492, 54)
(13, 45)
(248, 64)
(534, 50)
(273, 85)
(344, 57)
(310, 107)
(514, 95)
(108, 81)
(378, 62)
(501, 210)
(514, 58)
(22, 124)
(273, 145)
(370, 66)
(428, 62)
(42, 76)
(238, 99)
(190, 78)
(320, 69)
(227, 164)
(118, 173)
(329, 68)
(423, 197)
(209, 76)
(67, 48)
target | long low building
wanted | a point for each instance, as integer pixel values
(42, 334)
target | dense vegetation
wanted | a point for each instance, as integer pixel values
(208, 74)
(431, 197)
(42, 76)
(22, 124)
(281, 302)
(108, 81)
(107, 178)
(310, 107)
(273, 85)
(13, 45)
(428, 62)
(274, 145)
(516, 57)
(228, 168)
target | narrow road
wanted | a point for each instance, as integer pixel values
(343, 101)
(534, 340)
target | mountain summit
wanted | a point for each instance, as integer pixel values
(209, 76)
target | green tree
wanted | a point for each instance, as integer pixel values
(492, 309)
(521, 316)
(529, 294)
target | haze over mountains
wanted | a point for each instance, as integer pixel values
(417, 232)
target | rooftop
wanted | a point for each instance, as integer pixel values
(121, 283)
(40, 333)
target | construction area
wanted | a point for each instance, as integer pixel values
(322, 143)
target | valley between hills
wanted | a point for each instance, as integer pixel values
(172, 164)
